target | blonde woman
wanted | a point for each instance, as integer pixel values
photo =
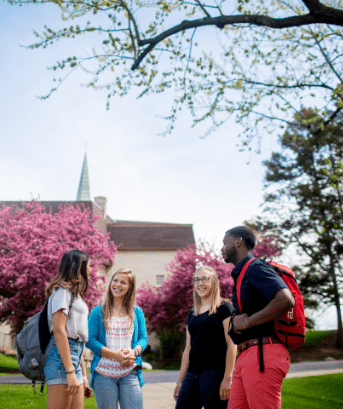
(64, 370)
(209, 357)
(117, 336)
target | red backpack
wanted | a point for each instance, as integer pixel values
(290, 326)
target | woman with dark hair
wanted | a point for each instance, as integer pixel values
(209, 357)
(64, 370)
(117, 336)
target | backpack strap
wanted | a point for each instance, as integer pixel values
(41, 388)
(239, 283)
(73, 297)
(260, 354)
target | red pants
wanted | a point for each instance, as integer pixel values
(252, 389)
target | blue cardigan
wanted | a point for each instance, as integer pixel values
(97, 336)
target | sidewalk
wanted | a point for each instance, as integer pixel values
(160, 395)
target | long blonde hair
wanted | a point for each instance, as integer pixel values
(129, 299)
(215, 292)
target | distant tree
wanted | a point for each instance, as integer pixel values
(253, 60)
(304, 202)
(268, 244)
(32, 242)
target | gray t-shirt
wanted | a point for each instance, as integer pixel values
(77, 317)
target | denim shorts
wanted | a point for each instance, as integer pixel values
(54, 371)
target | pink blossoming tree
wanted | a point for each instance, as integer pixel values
(32, 242)
(167, 306)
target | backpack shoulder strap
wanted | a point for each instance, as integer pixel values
(73, 298)
(239, 282)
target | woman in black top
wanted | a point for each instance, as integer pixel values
(209, 357)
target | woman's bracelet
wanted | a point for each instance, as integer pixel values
(136, 351)
(71, 371)
(246, 322)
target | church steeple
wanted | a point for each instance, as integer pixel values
(83, 192)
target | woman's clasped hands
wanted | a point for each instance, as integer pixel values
(126, 356)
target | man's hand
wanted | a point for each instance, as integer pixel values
(239, 323)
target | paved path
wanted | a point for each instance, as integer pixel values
(159, 386)
(296, 370)
(159, 395)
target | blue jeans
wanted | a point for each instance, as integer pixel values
(201, 390)
(54, 371)
(127, 390)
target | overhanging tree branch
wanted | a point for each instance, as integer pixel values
(254, 20)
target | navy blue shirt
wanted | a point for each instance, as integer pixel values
(259, 286)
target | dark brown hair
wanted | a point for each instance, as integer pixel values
(72, 273)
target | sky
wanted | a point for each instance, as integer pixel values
(178, 178)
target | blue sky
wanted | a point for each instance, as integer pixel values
(179, 178)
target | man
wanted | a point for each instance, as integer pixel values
(263, 361)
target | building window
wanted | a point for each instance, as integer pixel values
(159, 279)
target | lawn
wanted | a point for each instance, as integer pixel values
(8, 364)
(315, 392)
(22, 397)
(315, 337)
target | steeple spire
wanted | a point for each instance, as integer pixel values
(83, 192)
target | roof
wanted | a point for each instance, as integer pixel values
(133, 235)
(150, 235)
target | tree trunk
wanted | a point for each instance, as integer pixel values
(339, 339)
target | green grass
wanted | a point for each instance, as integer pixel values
(8, 364)
(22, 397)
(314, 392)
(175, 366)
(315, 337)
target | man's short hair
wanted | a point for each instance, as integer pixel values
(246, 234)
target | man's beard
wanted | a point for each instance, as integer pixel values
(231, 256)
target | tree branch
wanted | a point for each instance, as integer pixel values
(273, 118)
(327, 59)
(203, 8)
(127, 9)
(257, 20)
(316, 8)
(189, 57)
(301, 85)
